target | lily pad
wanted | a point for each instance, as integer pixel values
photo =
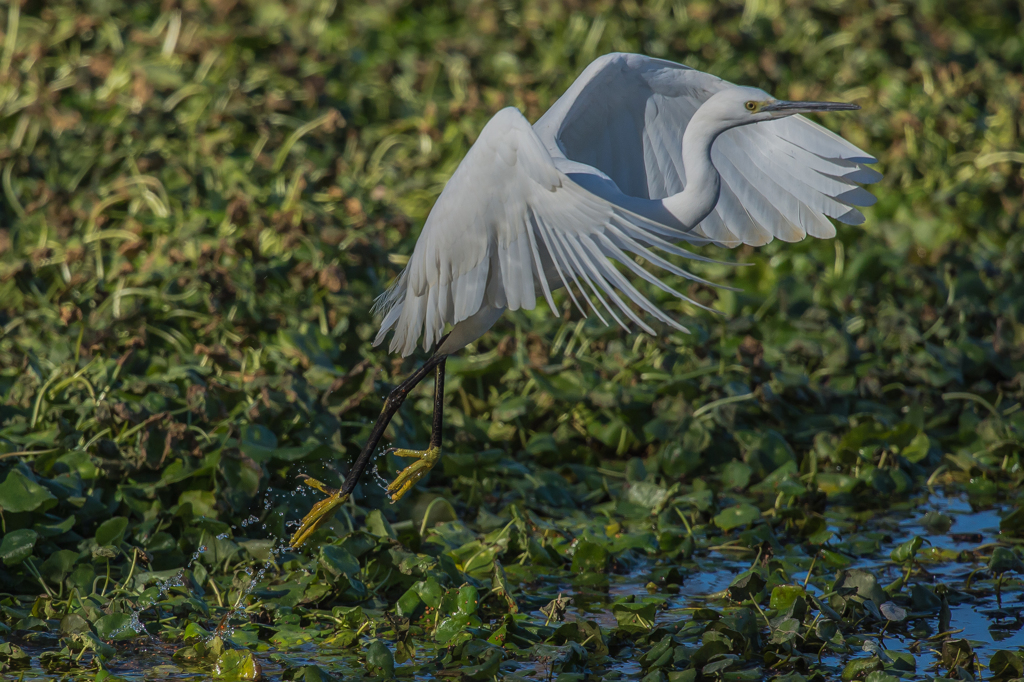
(738, 515)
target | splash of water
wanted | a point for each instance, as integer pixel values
(225, 629)
(163, 587)
(381, 481)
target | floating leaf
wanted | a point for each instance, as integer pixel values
(1013, 523)
(893, 612)
(111, 531)
(380, 662)
(1006, 664)
(865, 584)
(634, 617)
(377, 524)
(20, 493)
(861, 667)
(906, 551)
(17, 546)
(746, 585)
(1004, 559)
(58, 565)
(238, 665)
(738, 515)
(589, 556)
(338, 561)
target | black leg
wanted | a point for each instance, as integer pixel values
(323, 510)
(391, 405)
(437, 428)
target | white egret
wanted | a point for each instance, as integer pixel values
(636, 157)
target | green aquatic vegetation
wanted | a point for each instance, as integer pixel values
(199, 203)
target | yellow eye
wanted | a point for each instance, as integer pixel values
(751, 106)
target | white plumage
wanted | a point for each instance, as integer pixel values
(637, 156)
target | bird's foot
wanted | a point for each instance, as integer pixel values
(321, 512)
(411, 475)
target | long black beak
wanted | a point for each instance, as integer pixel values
(783, 107)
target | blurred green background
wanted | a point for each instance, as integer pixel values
(201, 200)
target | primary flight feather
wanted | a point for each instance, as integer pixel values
(637, 157)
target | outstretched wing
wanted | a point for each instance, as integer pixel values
(625, 116)
(508, 225)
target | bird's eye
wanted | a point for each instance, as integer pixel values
(751, 106)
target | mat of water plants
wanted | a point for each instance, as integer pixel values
(200, 200)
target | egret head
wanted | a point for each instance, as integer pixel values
(740, 105)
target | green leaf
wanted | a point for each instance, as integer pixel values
(861, 667)
(377, 524)
(785, 631)
(500, 586)
(487, 669)
(589, 557)
(906, 551)
(789, 600)
(338, 561)
(937, 522)
(194, 631)
(292, 636)
(657, 656)
(639, 616)
(380, 662)
(746, 585)
(72, 624)
(510, 409)
(826, 629)
(468, 600)
(738, 515)
(722, 664)
(917, 450)
(17, 546)
(203, 502)
(308, 673)
(258, 442)
(235, 664)
(1003, 559)
(431, 510)
(893, 611)
(1006, 664)
(647, 495)
(92, 642)
(430, 592)
(449, 627)
(1012, 523)
(880, 676)
(111, 531)
(409, 605)
(19, 493)
(13, 656)
(736, 475)
(58, 565)
(957, 652)
(107, 625)
(866, 585)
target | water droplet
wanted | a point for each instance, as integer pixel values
(381, 481)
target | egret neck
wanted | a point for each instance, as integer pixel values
(702, 181)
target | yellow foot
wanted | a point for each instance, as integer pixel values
(410, 475)
(321, 512)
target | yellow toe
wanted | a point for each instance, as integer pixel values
(412, 474)
(320, 514)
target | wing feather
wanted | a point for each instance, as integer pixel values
(781, 178)
(555, 204)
